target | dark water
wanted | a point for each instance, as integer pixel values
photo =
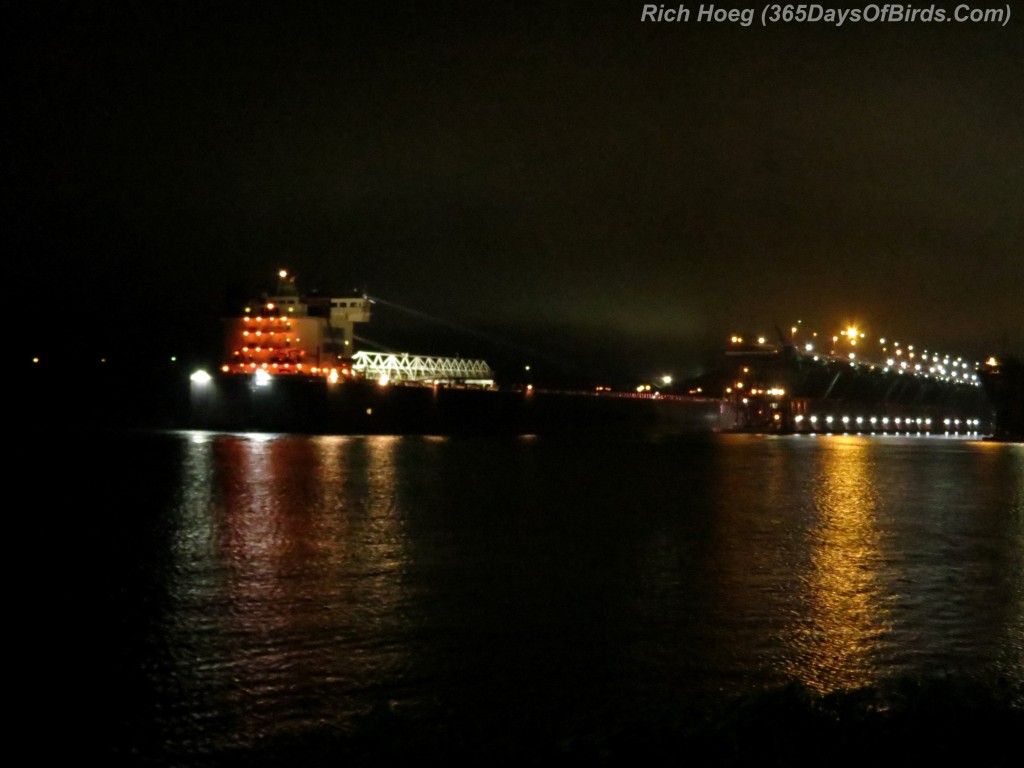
(322, 600)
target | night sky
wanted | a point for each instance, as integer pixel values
(566, 183)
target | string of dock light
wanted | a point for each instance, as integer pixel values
(896, 357)
(874, 424)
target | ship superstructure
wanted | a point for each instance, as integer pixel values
(289, 333)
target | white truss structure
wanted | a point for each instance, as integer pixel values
(403, 367)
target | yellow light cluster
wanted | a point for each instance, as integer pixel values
(899, 358)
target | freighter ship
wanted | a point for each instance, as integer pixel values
(290, 364)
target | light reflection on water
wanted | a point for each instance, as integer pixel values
(285, 583)
(310, 580)
(845, 614)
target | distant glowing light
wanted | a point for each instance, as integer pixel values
(200, 377)
(332, 377)
(852, 332)
(384, 380)
(760, 339)
(666, 379)
(283, 274)
(35, 359)
(262, 378)
(991, 362)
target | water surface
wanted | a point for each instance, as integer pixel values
(259, 590)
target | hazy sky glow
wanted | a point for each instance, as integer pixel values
(569, 179)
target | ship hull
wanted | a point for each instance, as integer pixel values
(313, 405)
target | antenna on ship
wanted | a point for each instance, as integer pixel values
(286, 283)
